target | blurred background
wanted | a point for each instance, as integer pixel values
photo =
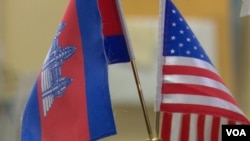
(28, 27)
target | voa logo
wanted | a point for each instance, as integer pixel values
(236, 132)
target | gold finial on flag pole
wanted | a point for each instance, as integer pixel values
(143, 105)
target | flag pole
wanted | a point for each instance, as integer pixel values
(135, 72)
(157, 126)
(142, 101)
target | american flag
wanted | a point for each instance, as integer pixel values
(191, 94)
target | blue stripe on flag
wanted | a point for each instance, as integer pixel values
(100, 114)
(31, 125)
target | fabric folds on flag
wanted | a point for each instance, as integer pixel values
(191, 94)
(116, 41)
(70, 99)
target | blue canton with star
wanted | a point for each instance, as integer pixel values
(179, 40)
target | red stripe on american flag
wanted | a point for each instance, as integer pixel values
(200, 127)
(197, 90)
(185, 127)
(166, 130)
(188, 70)
(201, 109)
(231, 122)
(215, 129)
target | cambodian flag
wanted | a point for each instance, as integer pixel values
(116, 41)
(70, 100)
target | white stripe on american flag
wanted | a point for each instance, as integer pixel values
(197, 80)
(208, 127)
(186, 61)
(193, 127)
(176, 127)
(223, 121)
(199, 100)
(238, 123)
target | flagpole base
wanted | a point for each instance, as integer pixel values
(154, 139)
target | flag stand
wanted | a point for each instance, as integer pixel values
(142, 101)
